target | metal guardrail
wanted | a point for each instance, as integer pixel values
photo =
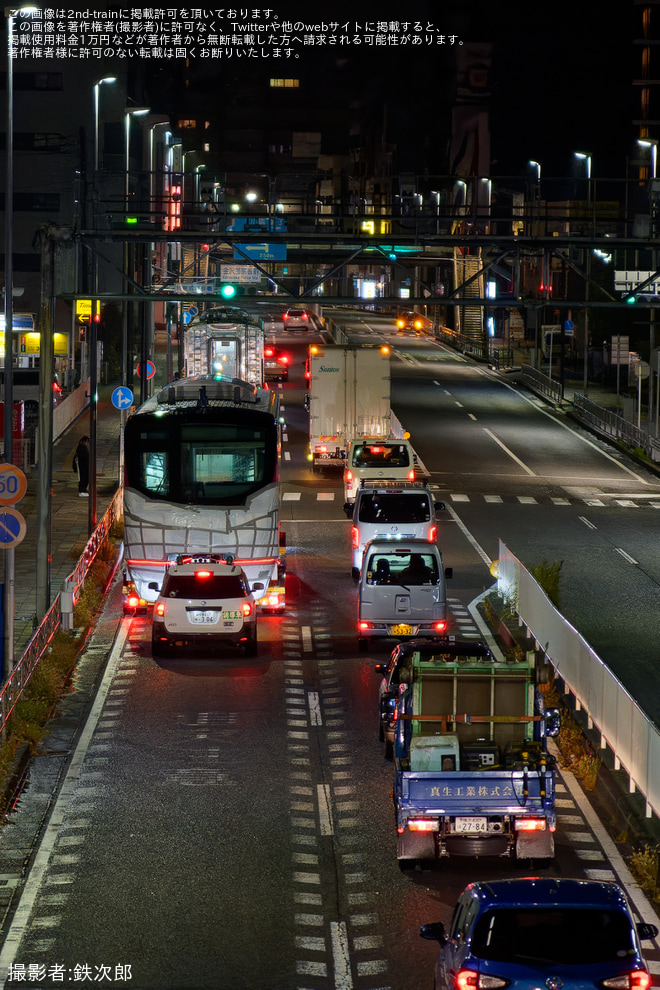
(612, 425)
(631, 736)
(60, 614)
(551, 388)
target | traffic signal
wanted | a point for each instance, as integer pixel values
(84, 319)
(229, 290)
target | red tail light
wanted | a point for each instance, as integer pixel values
(639, 979)
(160, 608)
(348, 476)
(466, 979)
(269, 351)
(363, 625)
(433, 532)
(203, 574)
(284, 359)
(355, 537)
(133, 601)
(440, 626)
(411, 474)
(531, 824)
(247, 608)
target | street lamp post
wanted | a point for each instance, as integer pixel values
(97, 85)
(8, 391)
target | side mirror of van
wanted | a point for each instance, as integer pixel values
(449, 572)
(348, 509)
(154, 586)
(439, 506)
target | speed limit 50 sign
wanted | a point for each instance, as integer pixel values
(13, 484)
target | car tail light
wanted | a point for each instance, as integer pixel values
(639, 979)
(440, 626)
(363, 625)
(433, 532)
(355, 537)
(284, 359)
(531, 824)
(348, 477)
(133, 601)
(203, 574)
(269, 352)
(423, 824)
(468, 978)
(246, 608)
(285, 316)
(322, 449)
(160, 608)
(411, 474)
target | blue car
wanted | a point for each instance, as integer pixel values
(540, 932)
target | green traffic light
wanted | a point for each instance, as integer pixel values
(228, 291)
(631, 300)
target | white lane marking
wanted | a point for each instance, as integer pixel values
(287, 455)
(626, 556)
(325, 497)
(469, 537)
(340, 958)
(509, 452)
(314, 708)
(325, 809)
(472, 416)
(587, 522)
(37, 874)
(306, 635)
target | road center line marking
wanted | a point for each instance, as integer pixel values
(626, 556)
(314, 708)
(342, 965)
(306, 634)
(510, 453)
(325, 809)
(586, 522)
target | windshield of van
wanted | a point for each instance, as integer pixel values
(389, 508)
(381, 454)
(402, 568)
(539, 936)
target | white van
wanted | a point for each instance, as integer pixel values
(403, 592)
(393, 511)
(377, 459)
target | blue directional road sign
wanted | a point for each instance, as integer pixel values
(12, 528)
(122, 397)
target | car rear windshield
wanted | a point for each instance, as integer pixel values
(380, 455)
(389, 508)
(215, 586)
(542, 936)
(402, 568)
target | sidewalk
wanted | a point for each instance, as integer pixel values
(69, 513)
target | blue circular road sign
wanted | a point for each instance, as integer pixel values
(12, 528)
(122, 397)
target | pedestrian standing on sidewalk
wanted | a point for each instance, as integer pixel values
(81, 465)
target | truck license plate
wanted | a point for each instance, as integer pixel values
(402, 630)
(471, 825)
(203, 616)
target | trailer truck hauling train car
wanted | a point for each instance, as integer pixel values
(202, 476)
(472, 773)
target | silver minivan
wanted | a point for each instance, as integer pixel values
(402, 592)
(393, 511)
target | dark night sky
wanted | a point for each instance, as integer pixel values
(561, 79)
